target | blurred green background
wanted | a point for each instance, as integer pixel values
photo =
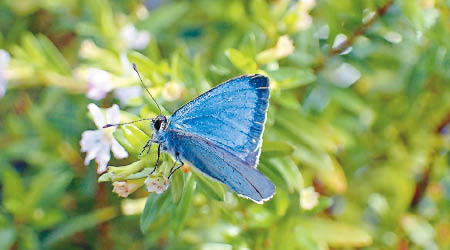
(357, 137)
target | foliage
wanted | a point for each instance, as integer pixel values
(356, 141)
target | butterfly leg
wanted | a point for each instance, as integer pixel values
(148, 145)
(172, 171)
(157, 159)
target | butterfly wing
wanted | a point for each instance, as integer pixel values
(231, 115)
(222, 166)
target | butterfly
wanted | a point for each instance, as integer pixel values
(220, 134)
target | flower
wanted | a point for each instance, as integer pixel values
(307, 5)
(133, 38)
(98, 83)
(304, 20)
(157, 184)
(172, 91)
(283, 48)
(308, 198)
(125, 188)
(127, 93)
(98, 143)
(4, 62)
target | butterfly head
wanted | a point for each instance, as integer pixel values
(159, 123)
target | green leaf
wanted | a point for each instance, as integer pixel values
(55, 57)
(240, 61)
(413, 12)
(13, 191)
(119, 135)
(213, 189)
(290, 172)
(163, 17)
(122, 172)
(80, 223)
(288, 77)
(7, 236)
(176, 187)
(272, 149)
(183, 207)
(136, 137)
(152, 209)
(336, 234)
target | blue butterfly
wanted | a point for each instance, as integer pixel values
(220, 134)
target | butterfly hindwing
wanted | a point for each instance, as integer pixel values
(222, 166)
(231, 115)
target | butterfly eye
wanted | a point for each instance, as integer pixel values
(157, 124)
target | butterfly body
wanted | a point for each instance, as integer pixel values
(220, 133)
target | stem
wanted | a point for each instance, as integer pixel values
(381, 11)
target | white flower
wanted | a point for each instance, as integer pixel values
(133, 38)
(157, 184)
(125, 188)
(172, 91)
(4, 62)
(125, 94)
(127, 67)
(308, 198)
(98, 83)
(284, 46)
(88, 49)
(99, 143)
(304, 21)
(307, 4)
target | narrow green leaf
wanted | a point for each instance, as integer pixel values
(135, 136)
(164, 16)
(336, 234)
(272, 149)
(152, 209)
(213, 189)
(119, 135)
(13, 191)
(240, 61)
(290, 172)
(288, 77)
(183, 207)
(54, 56)
(176, 187)
(80, 223)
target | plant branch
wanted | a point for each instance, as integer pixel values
(381, 11)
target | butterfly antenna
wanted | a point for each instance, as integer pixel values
(118, 124)
(157, 105)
